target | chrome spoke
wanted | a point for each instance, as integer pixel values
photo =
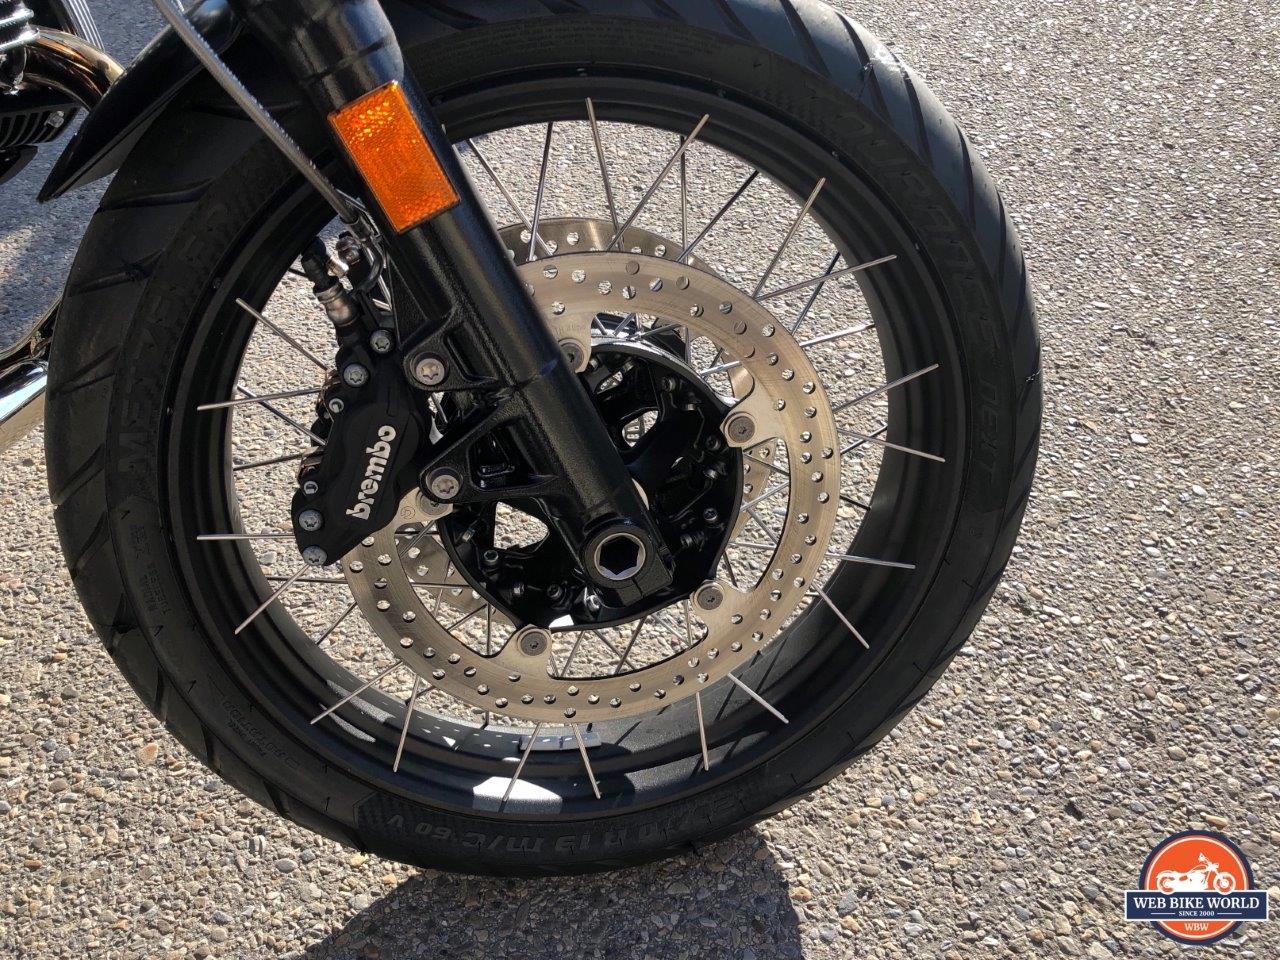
(773, 492)
(648, 194)
(795, 227)
(358, 690)
(635, 635)
(817, 292)
(258, 464)
(280, 415)
(242, 401)
(334, 626)
(328, 581)
(885, 388)
(804, 345)
(542, 183)
(840, 614)
(408, 716)
(862, 443)
(264, 535)
(604, 167)
(684, 254)
(283, 335)
(867, 438)
(506, 195)
(702, 731)
(280, 591)
(831, 554)
(757, 698)
(582, 749)
(520, 766)
(812, 281)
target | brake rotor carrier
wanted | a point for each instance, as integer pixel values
(773, 384)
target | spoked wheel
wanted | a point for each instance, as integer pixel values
(814, 384)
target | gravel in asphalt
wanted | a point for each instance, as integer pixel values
(1122, 686)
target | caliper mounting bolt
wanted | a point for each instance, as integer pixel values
(430, 371)
(315, 556)
(310, 520)
(380, 341)
(355, 375)
(444, 483)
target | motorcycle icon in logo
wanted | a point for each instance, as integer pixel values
(1196, 879)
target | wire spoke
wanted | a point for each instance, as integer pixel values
(582, 749)
(520, 766)
(604, 166)
(258, 464)
(242, 401)
(866, 438)
(757, 698)
(506, 195)
(805, 284)
(648, 194)
(280, 591)
(408, 716)
(817, 291)
(885, 388)
(283, 335)
(334, 626)
(635, 635)
(281, 415)
(542, 183)
(840, 615)
(804, 345)
(358, 690)
(264, 535)
(685, 253)
(702, 731)
(795, 228)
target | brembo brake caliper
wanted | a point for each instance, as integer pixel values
(369, 418)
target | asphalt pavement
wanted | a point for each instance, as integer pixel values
(1122, 686)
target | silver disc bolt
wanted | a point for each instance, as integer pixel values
(355, 375)
(310, 488)
(430, 371)
(740, 428)
(534, 641)
(310, 520)
(380, 341)
(315, 556)
(709, 596)
(573, 353)
(444, 484)
(336, 405)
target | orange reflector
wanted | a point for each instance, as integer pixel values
(383, 139)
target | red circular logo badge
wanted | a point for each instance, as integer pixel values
(1196, 862)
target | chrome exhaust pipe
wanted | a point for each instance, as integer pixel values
(21, 400)
(71, 66)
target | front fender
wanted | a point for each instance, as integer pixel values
(130, 105)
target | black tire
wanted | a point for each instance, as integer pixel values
(170, 229)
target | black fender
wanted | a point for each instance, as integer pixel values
(134, 101)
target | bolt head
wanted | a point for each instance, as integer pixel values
(708, 597)
(710, 515)
(355, 375)
(740, 428)
(444, 484)
(310, 520)
(310, 488)
(430, 371)
(380, 341)
(315, 556)
(534, 642)
(336, 405)
(573, 353)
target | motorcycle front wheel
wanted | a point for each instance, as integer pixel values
(826, 237)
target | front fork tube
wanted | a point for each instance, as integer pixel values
(456, 267)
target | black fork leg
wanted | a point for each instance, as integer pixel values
(455, 265)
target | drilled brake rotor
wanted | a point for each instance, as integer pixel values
(793, 432)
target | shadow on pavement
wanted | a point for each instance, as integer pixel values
(729, 900)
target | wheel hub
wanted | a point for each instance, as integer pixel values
(776, 428)
(666, 423)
